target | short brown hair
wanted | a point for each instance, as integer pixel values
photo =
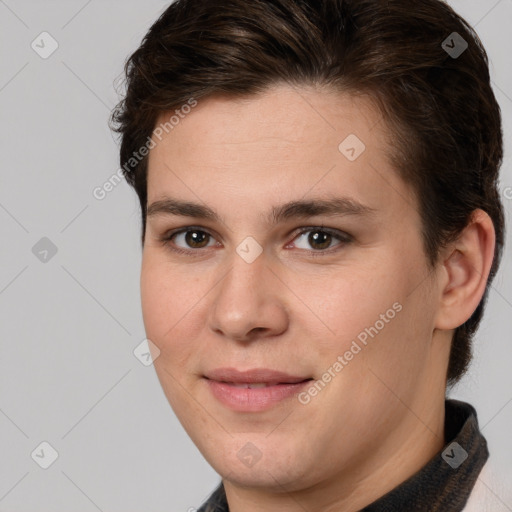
(444, 117)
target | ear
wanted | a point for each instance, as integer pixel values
(466, 264)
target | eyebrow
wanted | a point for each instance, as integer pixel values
(300, 209)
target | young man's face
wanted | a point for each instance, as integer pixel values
(351, 298)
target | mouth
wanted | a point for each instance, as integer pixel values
(257, 385)
(253, 390)
(254, 377)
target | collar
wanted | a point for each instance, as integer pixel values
(442, 485)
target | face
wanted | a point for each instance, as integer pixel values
(297, 263)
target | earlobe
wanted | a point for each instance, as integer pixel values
(466, 269)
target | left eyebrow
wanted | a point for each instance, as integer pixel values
(336, 206)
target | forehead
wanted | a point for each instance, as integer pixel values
(285, 140)
(294, 114)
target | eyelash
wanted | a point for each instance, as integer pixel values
(343, 238)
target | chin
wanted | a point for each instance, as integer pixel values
(259, 463)
(264, 476)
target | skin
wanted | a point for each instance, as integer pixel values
(381, 418)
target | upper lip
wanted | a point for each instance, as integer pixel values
(252, 376)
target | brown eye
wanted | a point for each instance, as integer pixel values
(196, 238)
(320, 240)
(187, 240)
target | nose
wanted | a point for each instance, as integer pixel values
(249, 302)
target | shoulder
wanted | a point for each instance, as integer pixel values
(490, 493)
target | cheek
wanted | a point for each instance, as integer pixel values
(381, 307)
(165, 305)
(398, 343)
(154, 300)
(167, 300)
(349, 300)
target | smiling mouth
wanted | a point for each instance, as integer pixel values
(264, 391)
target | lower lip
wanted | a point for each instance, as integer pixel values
(255, 399)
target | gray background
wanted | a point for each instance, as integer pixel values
(69, 324)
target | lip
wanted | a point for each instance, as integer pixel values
(280, 385)
(253, 375)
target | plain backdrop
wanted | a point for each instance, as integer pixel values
(69, 276)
